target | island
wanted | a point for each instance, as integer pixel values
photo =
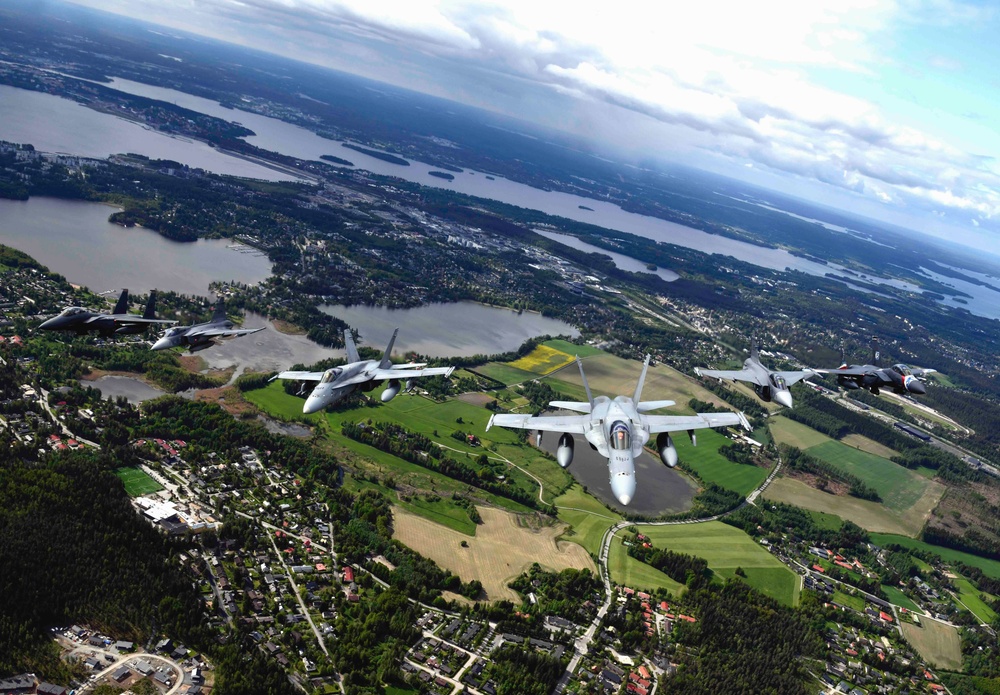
(384, 156)
(336, 160)
(442, 175)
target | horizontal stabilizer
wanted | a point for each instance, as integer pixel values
(647, 406)
(570, 405)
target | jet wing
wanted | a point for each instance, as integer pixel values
(126, 318)
(393, 373)
(741, 375)
(847, 371)
(679, 423)
(211, 332)
(795, 377)
(299, 376)
(575, 424)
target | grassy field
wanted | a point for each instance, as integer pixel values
(630, 572)
(726, 548)
(899, 487)
(137, 482)
(500, 550)
(898, 598)
(937, 643)
(572, 349)
(785, 431)
(871, 516)
(855, 602)
(969, 595)
(713, 467)
(857, 441)
(504, 373)
(587, 518)
(989, 567)
(542, 360)
(827, 522)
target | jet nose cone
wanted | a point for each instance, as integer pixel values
(623, 488)
(783, 398)
(914, 385)
(162, 344)
(48, 325)
(624, 499)
(312, 405)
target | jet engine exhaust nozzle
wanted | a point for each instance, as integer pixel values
(564, 452)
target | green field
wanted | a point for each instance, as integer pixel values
(137, 482)
(587, 517)
(855, 602)
(727, 548)
(898, 598)
(826, 522)
(572, 349)
(713, 467)
(440, 510)
(990, 568)
(504, 373)
(795, 434)
(969, 595)
(630, 572)
(899, 487)
(936, 642)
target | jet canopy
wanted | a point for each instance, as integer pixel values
(779, 382)
(621, 436)
(902, 369)
(331, 375)
(73, 311)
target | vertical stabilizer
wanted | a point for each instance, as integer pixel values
(219, 315)
(586, 386)
(150, 312)
(121, 307)
(386, 363)
(876, 353)
(642, 380)
(352, 349)
(755, 349)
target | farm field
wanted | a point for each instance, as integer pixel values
(137, 482)
(572, 349)
(500, 550)
(713, 467)
(542, 360)
(628, 571)
(989, 567)
(727, 548)
(899, 487)
(795, 434)
(936, 642)
(588, 519)
(855, 602)
(898, 598)
(827, 522)
(969, 596)
(438, 509)
(504, 373)
(857, 441)
(871, 516)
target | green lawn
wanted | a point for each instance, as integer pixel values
(573, 349)
(785, 431)
(440, 510)
(587, 517)
(713, 467)
(898, 598)
(628, 571)
(826, 522)
(727, 548)
(991, 568)
(855, 602)
(504, 373)
(137, 482)
(969, 595)
(899, 487)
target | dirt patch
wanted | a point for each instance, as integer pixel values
(288, 328)
(477, 399)
(96, 374)
(192, 363)
(229, 398)
(938, 643)
(833, 487)
(499, 552)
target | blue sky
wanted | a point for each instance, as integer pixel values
(885, 107)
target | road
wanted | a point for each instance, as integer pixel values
(298, 596)
(43, 399)
(122, 660)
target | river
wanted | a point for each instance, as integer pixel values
(441, 330)
(75, 239)
(622, 261)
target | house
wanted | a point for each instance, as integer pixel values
(121, 674)
(348, 574)
(50, 689)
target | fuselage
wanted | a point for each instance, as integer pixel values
(331, 388)
(83, 321)
(620, 436)
(769, 386)
(898, 378)
(181, 336)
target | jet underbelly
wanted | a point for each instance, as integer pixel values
(621, 469)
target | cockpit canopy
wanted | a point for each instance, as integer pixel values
(331, 375)
(73, 311)
(779, 382)
(171, 332)
(621, 436)
(902, 369)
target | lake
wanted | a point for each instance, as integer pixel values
(75, 239)
(442, 330)
(54, 124)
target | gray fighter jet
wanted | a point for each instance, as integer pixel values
(768, 385)
(338, 382)
(618, 429)
(119, 322)
(899, 377)
(202, 335)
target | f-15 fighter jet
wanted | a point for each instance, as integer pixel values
(119, 322)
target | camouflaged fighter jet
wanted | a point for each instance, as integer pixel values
(338, 382)
(119, 322)
(899, 377)
(768, 385)
(618, 429)
(202, 335)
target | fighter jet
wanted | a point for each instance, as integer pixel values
(899, 377)
(768, 385)
(119, 322)
(202, 335)
(618, 429)
(338, 382)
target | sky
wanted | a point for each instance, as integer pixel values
(886, 108)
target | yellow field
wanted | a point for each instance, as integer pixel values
(542, 360)
(858, 441)
(785, 431)
(609, 375)
(499, 552)
(871, 516)
(936, 642)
